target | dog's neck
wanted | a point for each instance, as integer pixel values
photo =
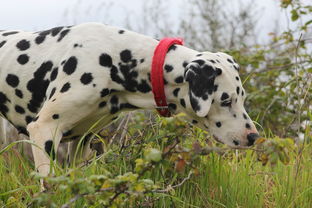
(176, 89)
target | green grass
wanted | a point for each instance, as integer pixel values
(234, 179)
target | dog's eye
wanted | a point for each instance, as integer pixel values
(226, 103)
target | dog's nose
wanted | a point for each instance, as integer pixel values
(252, 138)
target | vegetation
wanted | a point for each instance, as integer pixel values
(165, 162)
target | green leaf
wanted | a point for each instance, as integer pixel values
(152, 155)
(294, 15)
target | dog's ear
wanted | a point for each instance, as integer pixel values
(201, 77)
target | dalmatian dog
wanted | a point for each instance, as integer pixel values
(56, 84)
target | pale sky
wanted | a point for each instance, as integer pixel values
(35, 15)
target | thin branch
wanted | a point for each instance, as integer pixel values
(169, 187)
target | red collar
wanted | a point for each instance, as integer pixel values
(157, 76)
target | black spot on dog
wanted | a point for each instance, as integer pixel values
(218, 124)
(176, 92)
(179, 79)
(199, 61)
(201, 79)
(224, 96)
(205, 97)
(247, 125)
(63, 34)
(212, 61)
(121, 31)
(182, 102)
(19, 109)
(185, 63)
(218, 71)
(102, 104)
(114, 100)
(23, 59)
(237, 90)
(105, 92)
(18, 93)
(65, 87)
(245, 116)
(237, 78)
(126, 74)
(3, 108)
(105, 60)
(70, 65)
(215, 88)
(172, 106)
(243, 92)
(39, 39)
(23, 45)
(38, 86)
(55, 116)
(22, 130)
(168, 68)
(2, 43)
(48, 146)
(142, 60)
(230, 61)
(55, 31)
(144, 87)
(86, 78)
(114, 105)
(234, 115)
(28, 119)
(12, 80)
(126, 55)
(165, 82)
(172, 48)
(200, 54)
(236, 67)
(53, 74)
(10, 33)
(52, 92)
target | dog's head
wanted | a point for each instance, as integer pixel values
(217, 99)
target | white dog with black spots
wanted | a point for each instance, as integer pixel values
(56, 84)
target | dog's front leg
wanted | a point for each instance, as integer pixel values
(2, 133)
(46, 140)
